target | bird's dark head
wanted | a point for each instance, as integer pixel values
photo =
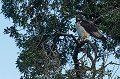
(79, 17)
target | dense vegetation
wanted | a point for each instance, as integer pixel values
(44, 30)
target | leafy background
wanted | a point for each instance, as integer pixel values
(44, 54)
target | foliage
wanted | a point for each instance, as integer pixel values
(45, 52)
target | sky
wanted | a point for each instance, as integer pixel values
(8, 52)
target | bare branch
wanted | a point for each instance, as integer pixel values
(113, 63)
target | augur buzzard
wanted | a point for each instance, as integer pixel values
(86, 29)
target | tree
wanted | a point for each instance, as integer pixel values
(45, 32)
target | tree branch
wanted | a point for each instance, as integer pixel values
(70, 35)
(79, 44)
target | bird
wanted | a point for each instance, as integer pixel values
(86, 29)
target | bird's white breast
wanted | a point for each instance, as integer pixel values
(81, 31)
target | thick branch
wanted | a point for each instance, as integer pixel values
(70, 35)
(79, 44)
(93, 60)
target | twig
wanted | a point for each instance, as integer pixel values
(114, 63)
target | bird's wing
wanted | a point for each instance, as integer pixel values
(91, 28)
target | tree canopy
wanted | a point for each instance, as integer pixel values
(45, 32)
